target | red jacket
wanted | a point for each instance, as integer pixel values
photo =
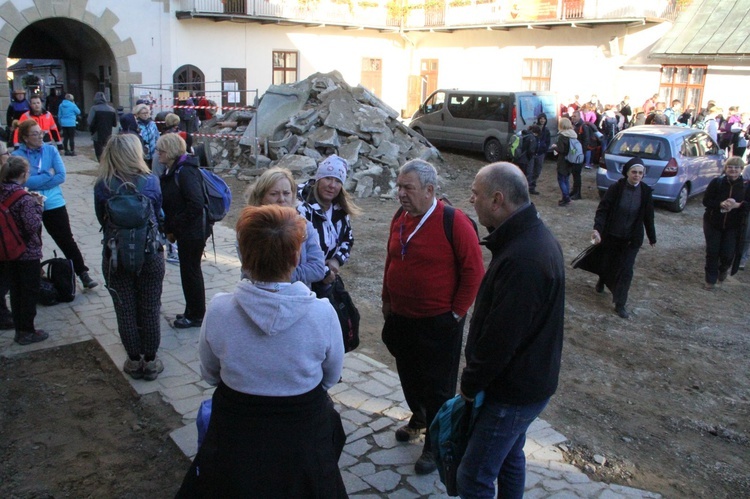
(45, 121)
(433, 278)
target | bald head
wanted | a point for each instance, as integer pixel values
(499, 189)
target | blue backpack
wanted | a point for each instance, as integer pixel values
(217, 197)
(449, 434)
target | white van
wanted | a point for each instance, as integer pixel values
(482, 121)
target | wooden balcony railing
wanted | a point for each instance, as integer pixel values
(415, 14)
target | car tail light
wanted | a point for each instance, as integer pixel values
(513, 119)
(671, 169)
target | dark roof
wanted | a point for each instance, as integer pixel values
(708, 28)
(22, 64)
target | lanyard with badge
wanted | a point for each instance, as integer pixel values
(419, 226)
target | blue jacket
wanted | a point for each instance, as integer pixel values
(46, 173)
(67, 113)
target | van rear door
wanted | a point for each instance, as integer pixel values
(529, 105)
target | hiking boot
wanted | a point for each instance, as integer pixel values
(29, 337)
(406, 433)
(87, 281)
(534, 192)
(152, 369)
(73, 153)
(575, 197)
(563, 202)
(184, 323)
(133, 368)
(621, 311)
(425, 464)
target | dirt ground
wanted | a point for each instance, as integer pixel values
(664, 396)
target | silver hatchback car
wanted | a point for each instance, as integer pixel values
(679, 161)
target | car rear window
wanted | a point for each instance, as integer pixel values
(641, 146)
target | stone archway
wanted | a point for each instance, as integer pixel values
(94, 36)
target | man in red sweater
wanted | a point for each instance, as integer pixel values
(429, 284)
(44, 119)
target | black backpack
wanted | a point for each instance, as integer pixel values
(130, 232)
(346, 310)
(60, 273)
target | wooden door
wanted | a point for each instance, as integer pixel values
(234, 87)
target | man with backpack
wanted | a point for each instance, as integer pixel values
(526, 150)
(515, 340)
(431, 277)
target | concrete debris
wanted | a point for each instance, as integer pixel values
(295, 126)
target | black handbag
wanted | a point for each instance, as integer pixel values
(346, 311)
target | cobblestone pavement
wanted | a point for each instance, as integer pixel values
(369, 398)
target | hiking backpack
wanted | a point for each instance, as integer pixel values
(60, 273)
(217, 197)
(12, 244)
(514, 148)
(130, 232)
(575, 152)
(346, 311)
(449, 434)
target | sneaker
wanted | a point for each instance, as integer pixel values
(152, 369)
(588, 167)
(29, 337)
(406, 433)
(173, 258)
(87, 281)
(563, 202)
(425, 464)
(622, 312)
(723, 276)
(133, 368)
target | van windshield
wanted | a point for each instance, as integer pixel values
(532, 106)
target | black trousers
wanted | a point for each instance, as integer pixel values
(427, 352)
(69, 138)
(191, 276)
(23, 278)
(618, 260)
(99, 147)
(57, 223)
(721, 245)
(576, 171)
(137, 301)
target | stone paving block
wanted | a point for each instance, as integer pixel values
(182, 392)
(375, 406)
(365, 496)
(347, 460)
(353, 483)
(386, 440)
(374, 388)
(351, 398)
(402, 494)
(554, 485)
(384, 481)
(141, 386)
(532, 478)
(184, 406)
(576, 477)
(381, 423)
(337, 388)
(356, 417)
(369, 360)
(547, 437)
(387, 378)
(424, 484)
(358, 448)
(355, 364)
(537, 424)
(185, 353)
(397, 412)
(563, 467)
(592, 489)
(363, 469)
(186, 439)
(402, 454)
(547, 454)
(350, 376)
(359, 433)
(631, 492)
(564, 494)
(349, 427)
(536, 493)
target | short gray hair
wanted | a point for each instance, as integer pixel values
(426, 173)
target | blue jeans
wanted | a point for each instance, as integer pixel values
(495, 451)
(564, 182)
(587, 156)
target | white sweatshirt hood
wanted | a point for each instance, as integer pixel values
(274, 312)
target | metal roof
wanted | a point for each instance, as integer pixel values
(708, 28)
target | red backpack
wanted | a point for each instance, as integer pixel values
(12, 245)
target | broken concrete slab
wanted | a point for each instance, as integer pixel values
(298, 165)
(278, 103)
(324, 137)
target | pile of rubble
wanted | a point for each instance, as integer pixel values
(295, 126)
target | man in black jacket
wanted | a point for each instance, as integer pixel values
(102, 119)
(515, 339)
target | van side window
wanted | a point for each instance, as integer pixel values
(434, 103)
(494, 108)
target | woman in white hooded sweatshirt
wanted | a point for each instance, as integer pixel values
(274, 350)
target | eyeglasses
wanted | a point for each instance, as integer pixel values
(35, 134)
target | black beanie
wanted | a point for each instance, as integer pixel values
(630, 164)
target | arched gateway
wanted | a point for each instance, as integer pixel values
(95, 56)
